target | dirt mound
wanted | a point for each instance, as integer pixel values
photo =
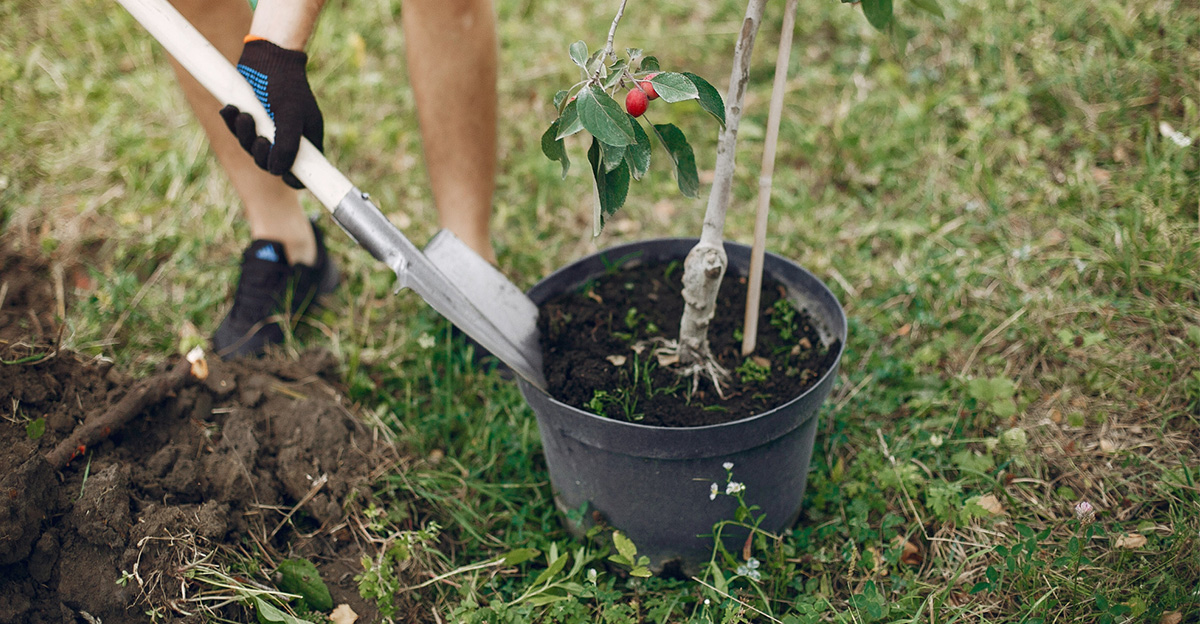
(262, 456)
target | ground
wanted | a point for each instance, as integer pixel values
(1004, 199)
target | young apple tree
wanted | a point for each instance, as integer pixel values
(620, 150)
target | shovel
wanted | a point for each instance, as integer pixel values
(449, 275)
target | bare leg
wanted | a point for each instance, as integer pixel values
(451, 53)
(272, 208)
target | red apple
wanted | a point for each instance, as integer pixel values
(636, 102)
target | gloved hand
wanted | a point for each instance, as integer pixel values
(279, 80)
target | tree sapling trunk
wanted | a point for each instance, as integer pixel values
(705, 264)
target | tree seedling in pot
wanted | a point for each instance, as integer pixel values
(620, 151)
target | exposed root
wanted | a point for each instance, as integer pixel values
(704, 365)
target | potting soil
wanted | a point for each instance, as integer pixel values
(599, 343)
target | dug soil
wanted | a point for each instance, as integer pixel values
(599, 343)
(262, 458)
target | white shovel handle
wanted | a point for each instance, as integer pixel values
(208, 66)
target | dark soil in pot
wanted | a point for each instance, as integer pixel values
(598, 343)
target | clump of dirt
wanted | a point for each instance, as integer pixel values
(591, 338)
(262, 457)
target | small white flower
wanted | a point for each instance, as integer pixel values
(1084, 511)
(1080, 265)
(755, 575)
(712, 492)
(707, 602)
(936, 440)
(727, 465)
(733, 487)
(752, 563)
(426, 341)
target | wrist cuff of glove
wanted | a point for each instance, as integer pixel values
(270, 59)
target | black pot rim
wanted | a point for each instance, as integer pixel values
(839, 330)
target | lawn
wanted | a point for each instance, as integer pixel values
(1006, 201)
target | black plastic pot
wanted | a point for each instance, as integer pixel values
(653, 483)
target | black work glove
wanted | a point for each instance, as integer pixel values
(279, 80)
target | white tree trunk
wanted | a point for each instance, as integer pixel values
(705, 264)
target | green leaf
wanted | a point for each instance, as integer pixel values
(621, 560)
(36, 428)
(637, 154)
(270, 614)
(616, 71)
(878, 12)
(929, 6)
(604, 118)
(718, 577)
(673, 87)
(640, 572)
(681, 154)
(543, 600)
(612, 186)
(300, 576)
(520, 555)
(579, 53)
(625, 546)
(612, 156)
(555, 567)
(649, 64)
(569, 123)
(710, 98)
(981, 586)
(554, 148)
(558, 99)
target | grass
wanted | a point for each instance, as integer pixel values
(1013, 237)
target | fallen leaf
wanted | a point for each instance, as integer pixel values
(904, 330)
(804, 343)
(1101, 176)
(1130, 541)
(1055, 416)
(668, 360)
(343, 614)
(1107, 446)
(1078, 402)
(1171, 617)
(991, 504)
(761, 361)
(910, 554)
(617, 360)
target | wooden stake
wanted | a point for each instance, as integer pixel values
(754, 284)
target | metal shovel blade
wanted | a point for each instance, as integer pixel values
(459, 284)
(509, 309)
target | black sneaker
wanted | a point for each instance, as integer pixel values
(268, 290)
